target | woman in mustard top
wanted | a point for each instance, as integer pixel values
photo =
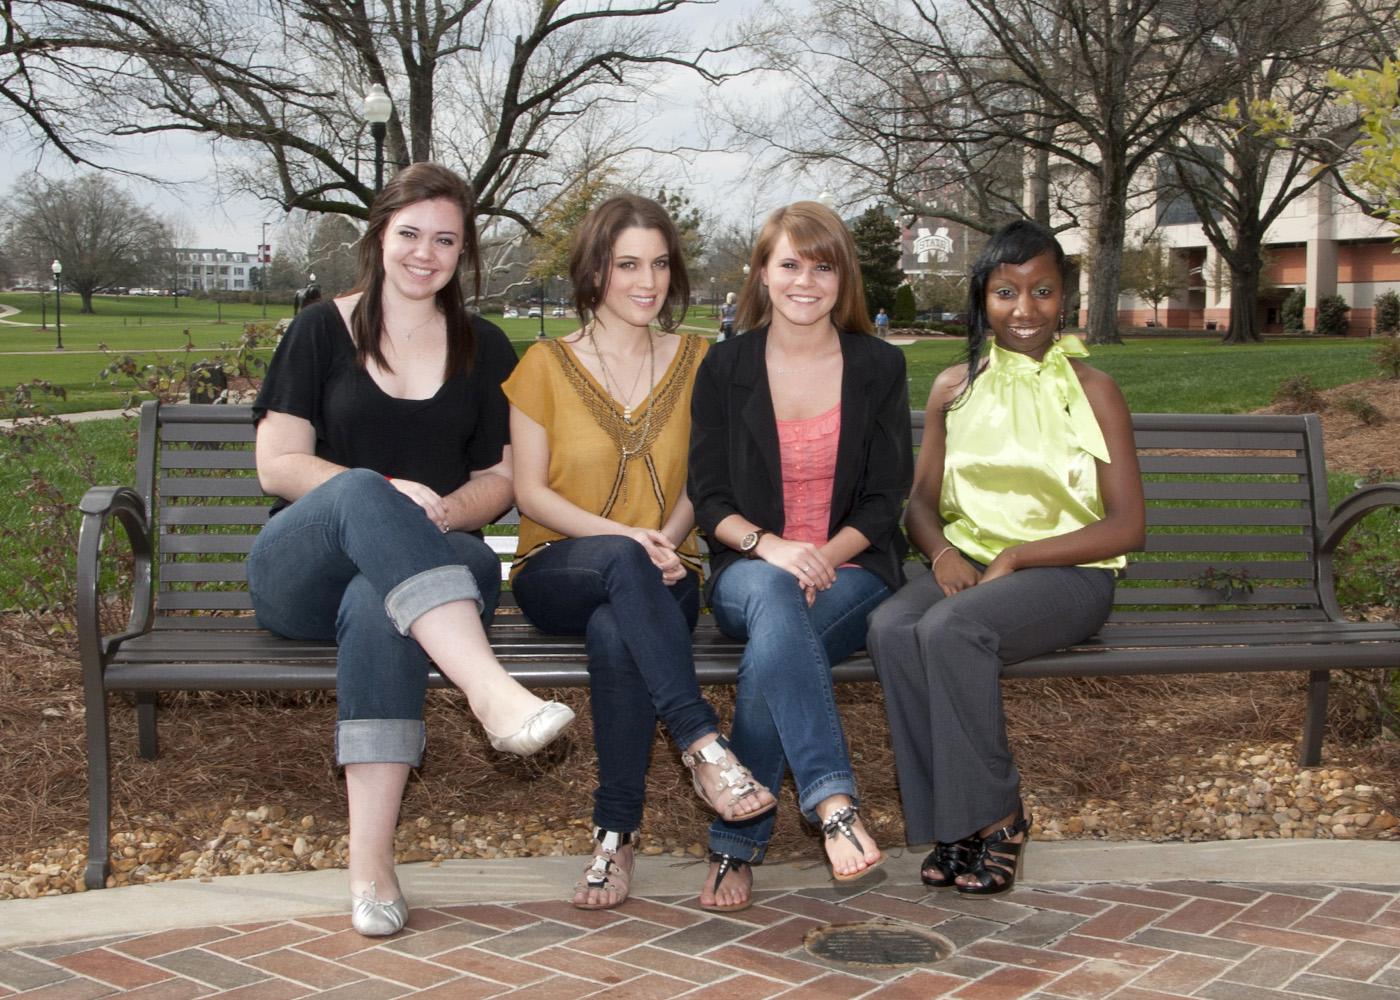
(600, 425)
(1026, 497)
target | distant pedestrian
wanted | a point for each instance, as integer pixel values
(727, 312)
(882, 323)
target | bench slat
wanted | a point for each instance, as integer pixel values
(1220, 438)
(213, 486)
(202, 514)
(1221, 465)
(1229, 516)
(1178, 489)
(1261, 569)
(241, 459)
(1199, 595)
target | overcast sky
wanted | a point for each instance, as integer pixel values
(719, 183)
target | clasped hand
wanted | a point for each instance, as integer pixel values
(805, 561)
(954, 573)
(433, 505)
(662, 553)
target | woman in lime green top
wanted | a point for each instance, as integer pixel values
(1026, 497)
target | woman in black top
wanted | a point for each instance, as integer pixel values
(383, 429)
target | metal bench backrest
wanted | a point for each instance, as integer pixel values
(1242, 497)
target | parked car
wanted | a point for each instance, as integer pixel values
(557, 311)
(534, 312)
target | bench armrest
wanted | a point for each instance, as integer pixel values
(1353, 509)
(99, 505)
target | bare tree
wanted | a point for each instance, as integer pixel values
(1150, 272)
(1278, 135)
(1079, 89)
(500, 90)
(99, 232)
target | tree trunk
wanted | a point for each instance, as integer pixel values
(1246, 264)
(1101, 325)
(1244, 305)
(86, 293)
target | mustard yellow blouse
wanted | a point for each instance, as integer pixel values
(630, 471)
(1021, 448)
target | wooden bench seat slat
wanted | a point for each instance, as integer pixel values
(239, 459)
(203, 572)
(206, 544)
(1257, 569)
(1218, 440)
(185, 432)
(1229, 516)
(1144, 596)
(1177, 489)
(1222, 465)
(1294, 542)
(196, 515)
(204, 600)
(193, 486)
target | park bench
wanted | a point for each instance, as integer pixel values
(1236, 575)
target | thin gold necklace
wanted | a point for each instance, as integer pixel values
(614, 389)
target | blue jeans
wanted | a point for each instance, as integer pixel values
(640, 663)
(785, 709)
(357, 561)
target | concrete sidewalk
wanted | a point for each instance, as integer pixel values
(1253, 920)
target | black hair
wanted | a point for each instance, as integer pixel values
(1014, 243)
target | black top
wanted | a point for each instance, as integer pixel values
(736, 464)
(438, 441)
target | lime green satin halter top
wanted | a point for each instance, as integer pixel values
(1021, 447)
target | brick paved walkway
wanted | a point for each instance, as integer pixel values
(1129, 942)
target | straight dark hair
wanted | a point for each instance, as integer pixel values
(414, 183)
(817, 234)
(590, 258)
(1014, 243)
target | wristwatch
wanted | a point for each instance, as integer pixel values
(748, 545)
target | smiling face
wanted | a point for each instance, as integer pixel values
(422, 247)
(803, 291)
(1023, 305)
(638, 278)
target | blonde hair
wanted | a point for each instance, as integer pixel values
(816, 233)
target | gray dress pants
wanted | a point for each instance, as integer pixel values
(939, 660)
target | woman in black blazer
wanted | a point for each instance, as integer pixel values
(800, 460)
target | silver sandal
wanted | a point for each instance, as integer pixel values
(734, 780)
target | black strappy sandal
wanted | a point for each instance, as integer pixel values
(950, 861)
(999, 859)
(842, 823)
(728, 863)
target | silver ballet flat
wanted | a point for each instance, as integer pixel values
(539, 729)
(373, 918)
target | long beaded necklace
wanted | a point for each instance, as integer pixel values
(615, 389)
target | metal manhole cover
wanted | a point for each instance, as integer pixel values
(878, 942)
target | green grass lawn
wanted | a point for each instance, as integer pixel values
(1179, 375)
(148, 329)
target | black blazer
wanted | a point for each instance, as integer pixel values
(735, 466)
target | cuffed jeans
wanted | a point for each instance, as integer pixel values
(939, 660)
(785, 709)
(357, 561)
(640, 662)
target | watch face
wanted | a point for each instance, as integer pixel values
(747, 543)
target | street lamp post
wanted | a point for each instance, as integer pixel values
(378, 108)
(714, 296)
(541, 336)
(264, 258)
(57, 270)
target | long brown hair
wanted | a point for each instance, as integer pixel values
(414, 183)
(816, 233)
(590, 259)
